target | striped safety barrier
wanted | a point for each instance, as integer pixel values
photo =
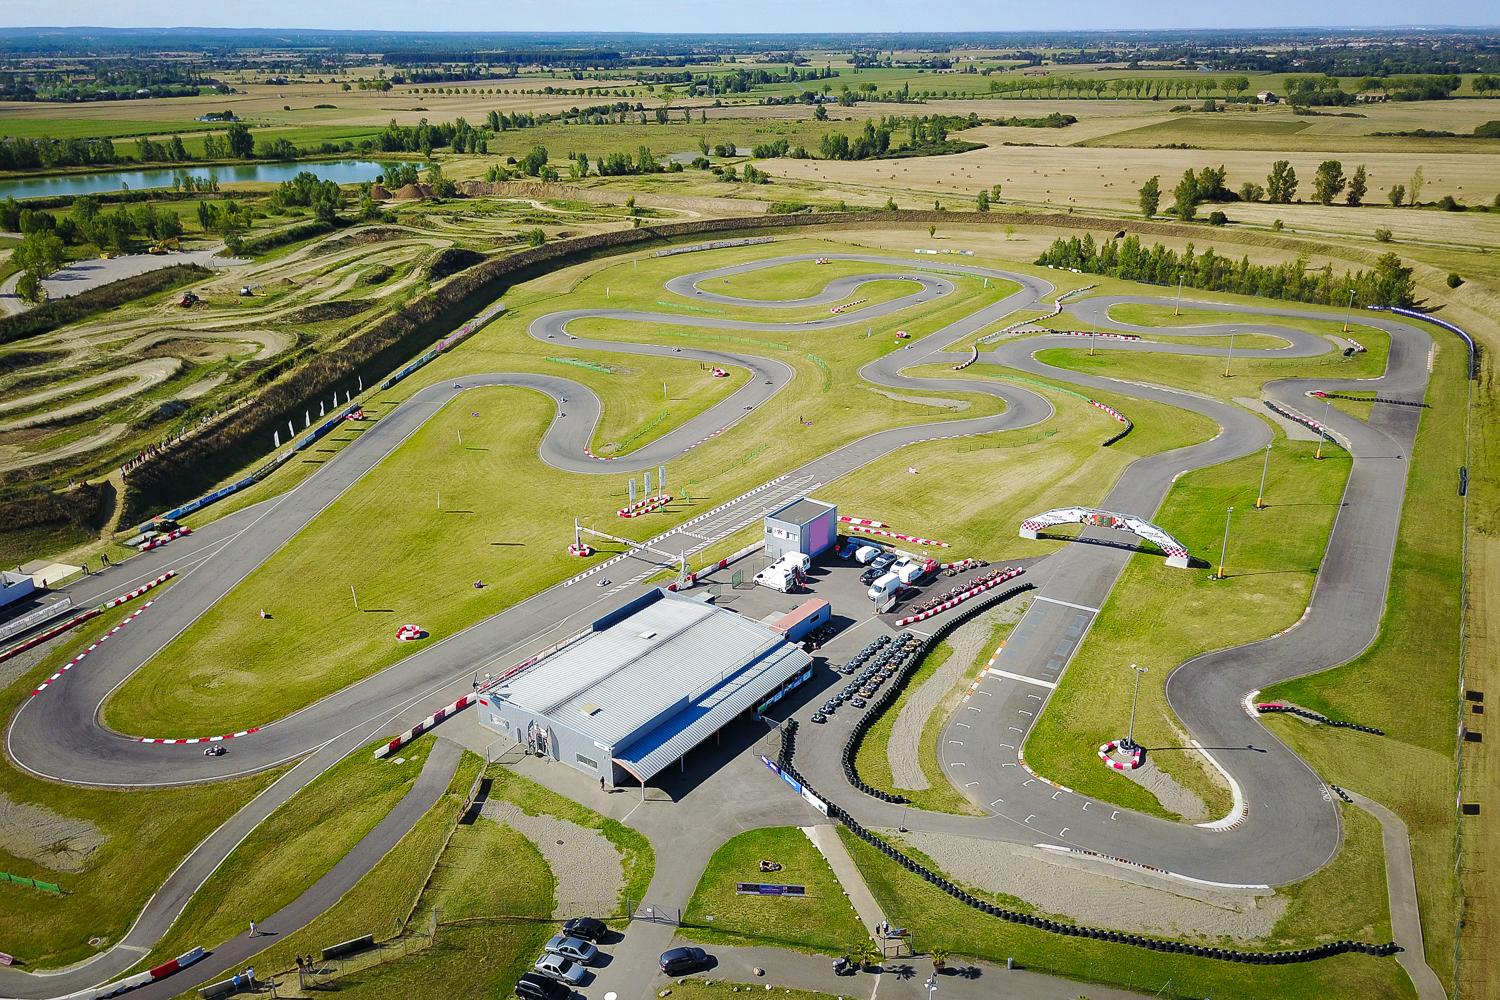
(956, 601)
(161, 540)
(847, 305)
(1137, 756)
(1099, 336)
(424, 725)
(645, 506)
(895, 534)
(866, 522)
(973, 357)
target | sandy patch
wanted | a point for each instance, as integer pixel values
(938, 401)
(586, 865)
(1172, 795)
(35, 833)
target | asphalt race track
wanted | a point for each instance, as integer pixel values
(1285, 828)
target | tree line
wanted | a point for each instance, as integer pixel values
(1390, 283)
(1329, 182)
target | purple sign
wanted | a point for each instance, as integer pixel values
(759, 889)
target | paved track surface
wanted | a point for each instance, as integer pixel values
(1289, 828)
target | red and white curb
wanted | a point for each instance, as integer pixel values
(701, 440)
(59, 629)
(162, 971)
(425, 725)
(847, 305)
(599, 458)
(1137, 756)
(200, 739)
(1099, 336)
(93, 646)
(866, 522)
(646, 506)
(1009, 574)
(894, 534)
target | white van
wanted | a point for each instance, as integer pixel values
(778, 578)
(799, 561)
(866, 553)
(885, 587)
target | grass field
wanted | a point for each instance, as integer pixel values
(147, 833)
(1159, 617)
(823, 921)
(295, 846)
(939, 920)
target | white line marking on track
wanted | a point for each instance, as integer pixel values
(996, 803)
(964, 724)
(1066, 604)
(1021, 677)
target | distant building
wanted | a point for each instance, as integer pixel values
(1035, 71)
(1372, 97)
(1266, 97)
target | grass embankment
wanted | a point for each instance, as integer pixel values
(295, 846)
(1406, 683)
(638, 860)
(800, 280)
(823, 921)
(1158, 617)
(938, 920)
(317, 642)
(147, 832)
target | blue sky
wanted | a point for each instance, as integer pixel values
(745, 15)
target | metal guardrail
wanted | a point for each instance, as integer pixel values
(31, 619)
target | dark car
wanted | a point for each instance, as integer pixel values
(586, 928)
(876, 569)
(680, 960)
(533, 986)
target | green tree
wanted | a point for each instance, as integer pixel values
(1185, 195)
(1281, 183)
(1397, 195)
(1238, 84)
(1486, 83)
(983, 201)
(1358, 185)
(1251, 191)
(442, 187)
(29, 288)
(1415, 189)
(1329, 181)
(40, 253)
(932, 231)
(535, 237)
(821, 114)
(241, 142)
(1394, 285)
(995, 193)
(1150, 197)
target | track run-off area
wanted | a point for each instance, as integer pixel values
(1283, 826)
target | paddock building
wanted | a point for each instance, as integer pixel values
(805, 525)
(628, 697)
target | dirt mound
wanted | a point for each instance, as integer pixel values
(413, 192)
(379, 193)
(289, 283)
(321, 312)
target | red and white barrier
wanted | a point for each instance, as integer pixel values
(57, 630)
(162, 971)
(863, 521)
(1100, 336)
(973, 357)
(1137, 756)
(847, 305)
(161, 540)
(410, 633)
(575, 549)
(424, 725)
(962, 564)
(905, 538)
(1009, 574)
(645, 506)
(1110, 410)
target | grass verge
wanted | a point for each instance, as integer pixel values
(823, 921)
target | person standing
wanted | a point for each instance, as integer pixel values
(253, 931)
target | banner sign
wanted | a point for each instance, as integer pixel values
(756, 889)
(796, 785)
(770, 763)
(815, 802)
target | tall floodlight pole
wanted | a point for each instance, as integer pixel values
(1260, 501)
(1224, 549)
(1323, 430)
(1349, 310)
(1178, 310)
(1130, 739)
(1230, 359)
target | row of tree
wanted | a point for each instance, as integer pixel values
(1329, 182)
(1390, 283)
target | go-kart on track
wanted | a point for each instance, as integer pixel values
(1284, 828)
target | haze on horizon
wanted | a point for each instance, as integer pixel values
(735, 16)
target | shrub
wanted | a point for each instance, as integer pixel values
(1447, 204)
(1454, 281)
(1276, 226)
(1218, 219)
(1382, 236)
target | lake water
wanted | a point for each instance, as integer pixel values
(339, 171)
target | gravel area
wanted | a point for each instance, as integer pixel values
(942, 401)
(906, 733)
(1173, 796)
(61, 843)
(1103, 893)
(586, 865)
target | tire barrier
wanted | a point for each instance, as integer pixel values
(432, 720)
(847, 305)
(95, 645)
(160, 540)
(717, 245)
(1463, 480)
(1468, 340)
(973, 357)
(1137, 755)
(1298, 418)
(1177, 554)
(139, 979)
(1118, 416)
(1341, 794)
(996, 579)
(1375, 399)
(79, 619)
(991, 337)
(1315, 717)
(410, 633)
(579, 550)
(1096, 336)
(910, 657)
(866, 522)
(788, 769)
(893, 534)
(646, 506)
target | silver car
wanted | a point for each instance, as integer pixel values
(577, 949)
(564, 970)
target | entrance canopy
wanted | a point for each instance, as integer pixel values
(1177, 553)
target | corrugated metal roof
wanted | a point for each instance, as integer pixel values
(673, 654)
(656, 750)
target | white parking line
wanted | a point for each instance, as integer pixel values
(1021, 677)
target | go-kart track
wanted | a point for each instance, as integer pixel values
(1284, 826)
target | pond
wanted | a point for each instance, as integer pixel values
(69, 185)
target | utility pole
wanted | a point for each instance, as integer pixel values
(1130, 739)
(1260, 501)
(1349, 310)
(1224, 549)
(1230, 359)
(1178, 310)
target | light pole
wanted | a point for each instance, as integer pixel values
(1130, 739)
(931, 986)
(1178, 309)
(1260, 501)
(1349, 310)
(1323, 430)
(1230, 358)
(1225, 548)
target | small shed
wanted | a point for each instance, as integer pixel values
(1266, 97)
(802, 620)
(808, 526)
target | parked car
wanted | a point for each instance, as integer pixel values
(876, 569)
(564, 970)
(577, 949)
(850, 546)
(534, 987)
(680, 960)
(586, 928)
